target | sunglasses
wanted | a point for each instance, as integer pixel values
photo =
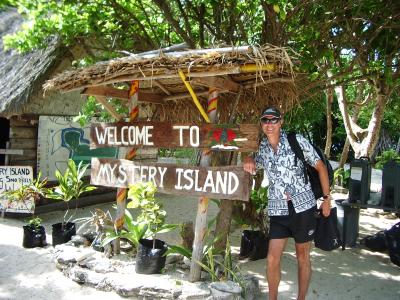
(270, 121)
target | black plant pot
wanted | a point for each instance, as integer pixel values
(62, 234)
(253, 245)
(149, 260)
(34, 237)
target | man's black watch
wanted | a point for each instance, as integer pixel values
(326, 196)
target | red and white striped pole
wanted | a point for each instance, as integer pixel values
(122, 192)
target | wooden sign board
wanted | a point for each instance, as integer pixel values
(12, 178)
(242, 137)
(228, 182)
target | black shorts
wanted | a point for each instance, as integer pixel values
(300, 226)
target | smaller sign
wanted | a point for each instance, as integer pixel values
(228, 182)
(243, 137)
(12, 178)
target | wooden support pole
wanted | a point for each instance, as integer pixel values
(122, 192)
(108, 107)
(202, 208)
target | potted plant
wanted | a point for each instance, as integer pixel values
(132, 231)
(70, 186)
(151, 251)
(254, 241)
(34, 234)
(26, 196)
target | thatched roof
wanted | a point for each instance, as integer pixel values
(20, 74)
(261, 75)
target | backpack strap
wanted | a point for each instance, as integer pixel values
(298, 152)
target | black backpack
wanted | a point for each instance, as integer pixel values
(309, 171)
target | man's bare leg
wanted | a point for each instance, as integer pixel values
(275, 250)
(304, 268)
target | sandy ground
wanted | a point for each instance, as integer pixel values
(352, 274)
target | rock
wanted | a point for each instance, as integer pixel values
(90, 236)
(67, 254)
(78, 240)
(99, 265)
(186, 261)
(226, 290)
(88, 277)
(155, 286)
(251, 287)
(173, 258)
(194, 291)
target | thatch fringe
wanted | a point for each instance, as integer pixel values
(272, 82)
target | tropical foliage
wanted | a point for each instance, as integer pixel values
(70, 185)
(151, 219)
(349, 52)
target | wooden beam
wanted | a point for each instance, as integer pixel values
(12, 151)
(23, 132)
(106, 91)
(109, 107)
(162, 87)
(222, 84)
(179, 96)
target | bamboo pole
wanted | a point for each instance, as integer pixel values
(122, 192)
(194, 97)
(202, 207)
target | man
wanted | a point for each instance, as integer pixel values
(291, 202)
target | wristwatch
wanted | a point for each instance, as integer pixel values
(326, 196)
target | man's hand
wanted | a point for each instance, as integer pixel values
(326, 206)
(249, 165)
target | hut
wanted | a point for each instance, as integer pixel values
(21, 97)
(222, 85)
(255, 75)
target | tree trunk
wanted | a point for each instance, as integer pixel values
(374, 126)
(398, 145)
(345, 153)
(363, 145)
(328, 143)
(346, 147)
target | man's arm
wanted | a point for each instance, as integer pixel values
(324, 179)
(249, 165)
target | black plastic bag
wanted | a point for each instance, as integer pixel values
(376, 242)
(327, 236)
(149, 260)
(393, 238)
(34, 237)
(62, 234)
(253, 245)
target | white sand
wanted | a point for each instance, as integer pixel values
(352, 274)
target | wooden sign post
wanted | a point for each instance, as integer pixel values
(228, 182)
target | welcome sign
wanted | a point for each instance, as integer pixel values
(228, 182)
(242, 137)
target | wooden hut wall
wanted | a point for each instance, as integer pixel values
(23, 136)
